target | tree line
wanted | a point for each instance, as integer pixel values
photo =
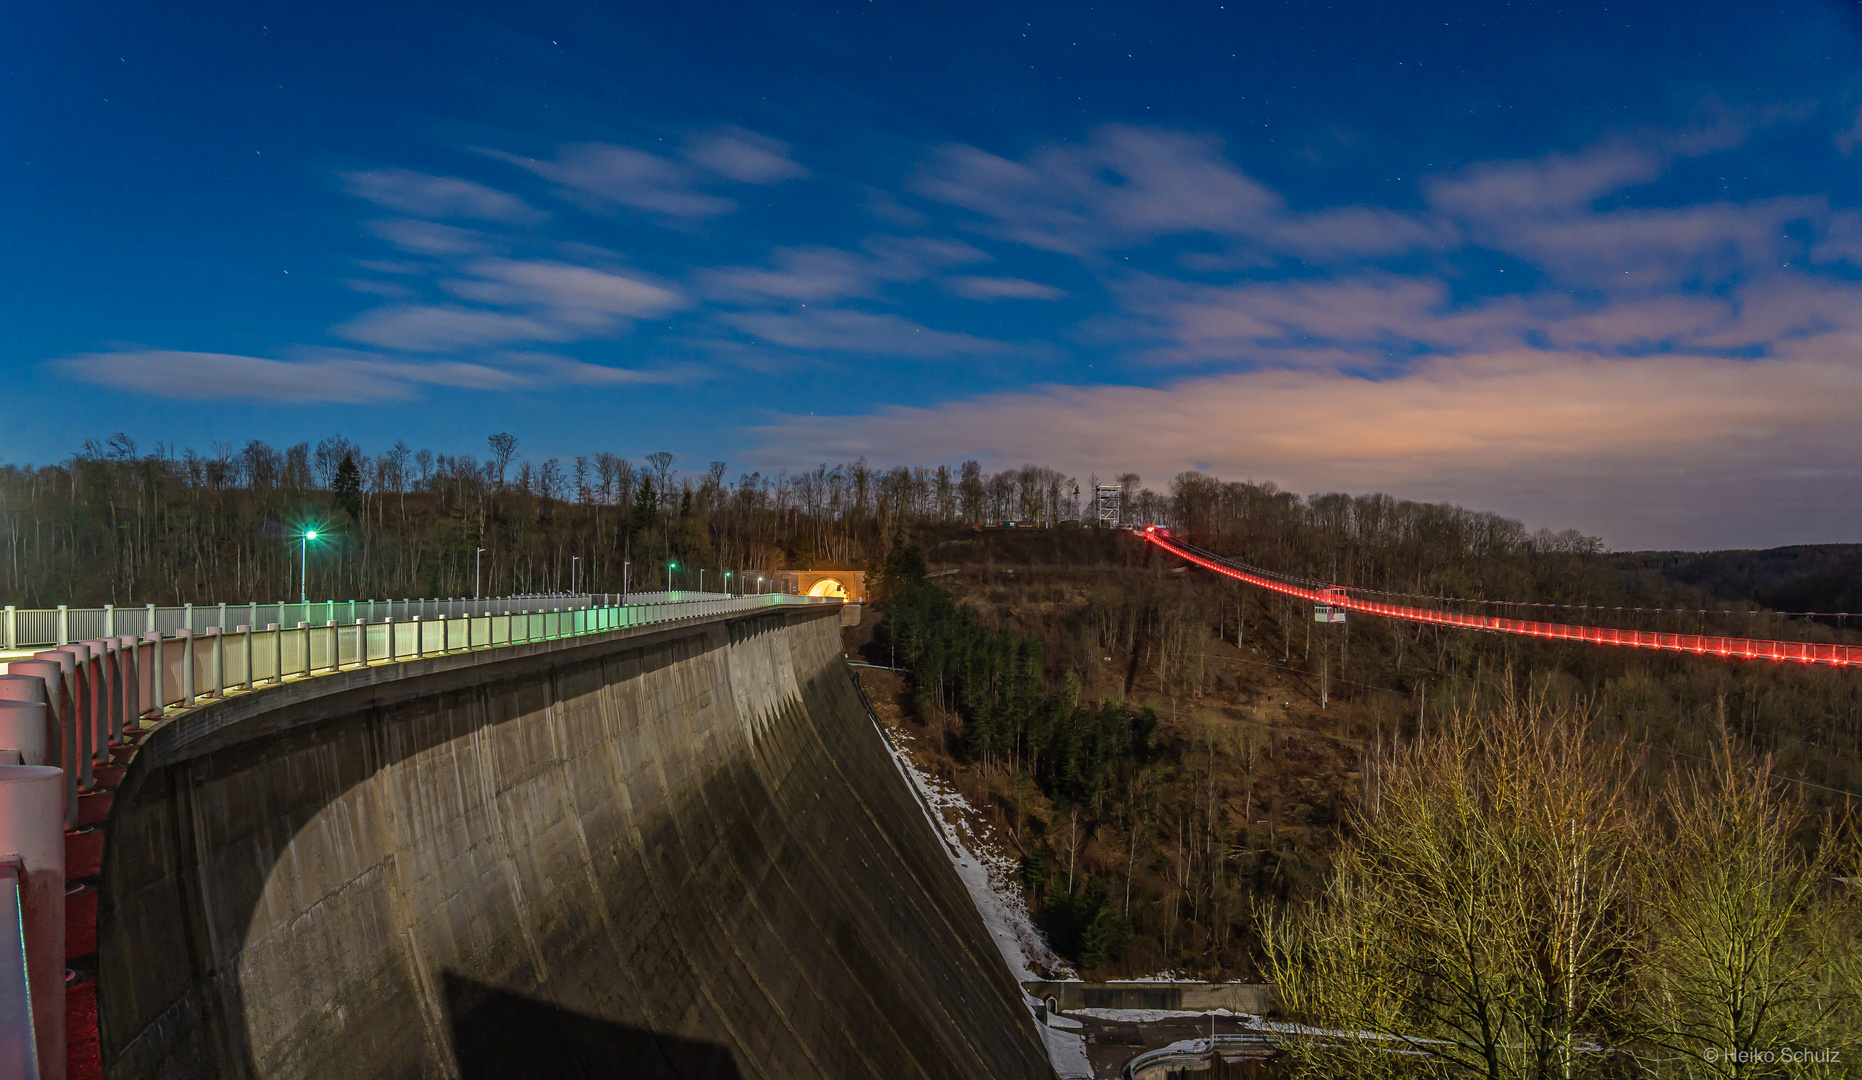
(116, 523)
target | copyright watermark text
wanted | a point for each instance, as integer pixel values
(1790, 1055)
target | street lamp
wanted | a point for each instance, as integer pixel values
(701, 581)
(624, 583)
(575, 575)
(670, 567)
(727, 582)
(478, 576)
(303, 564)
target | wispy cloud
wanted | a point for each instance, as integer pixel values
(342, 379)
(446, 327)
(1848, 139)
(794, 274)
(425, 195)
(744, 156)
(1002, 288)
(601, 174)
(330, 376)
(564, 294)
(569, 372)
(819, 273)
(1126, 185)
(431, 238)
(858, 332)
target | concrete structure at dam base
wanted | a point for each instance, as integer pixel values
(1256, 999)
(678, 850)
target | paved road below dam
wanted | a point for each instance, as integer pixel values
(678, 851)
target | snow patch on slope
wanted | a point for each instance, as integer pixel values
(1067, 1052)
(992, 879)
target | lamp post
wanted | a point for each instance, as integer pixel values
(727, 582)
(575, 575)
(670, 567)
(625, 567)
(701, 581)
(478, 574)
(303, 564)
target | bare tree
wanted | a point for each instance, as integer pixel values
(1747, 933)
(1482, 917)
(503, 448)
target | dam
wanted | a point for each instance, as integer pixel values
(659, 851)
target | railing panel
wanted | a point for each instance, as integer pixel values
(234, 671)
(293, 642)
(319, 647)
(37, 626)
(85, 623)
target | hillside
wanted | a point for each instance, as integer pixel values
(1268, 729)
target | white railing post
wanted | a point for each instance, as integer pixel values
(277, 632)
(420, 639)
(12, 627)
(389, 623)
(186, 634)
(64, 625)
(156, 688)
(219, 660)
(129, 658)
(148, 622)
(109, 620)
(187, 619)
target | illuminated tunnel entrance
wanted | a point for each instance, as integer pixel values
(831, 582)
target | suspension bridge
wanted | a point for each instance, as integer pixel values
(1335, 598)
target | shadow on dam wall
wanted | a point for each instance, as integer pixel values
(678, 852)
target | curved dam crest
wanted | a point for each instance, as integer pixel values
(676, 851)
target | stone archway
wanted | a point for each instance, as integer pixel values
(828, 586)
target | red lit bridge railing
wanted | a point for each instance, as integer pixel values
(1735, 648)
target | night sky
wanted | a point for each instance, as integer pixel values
(1595, 265)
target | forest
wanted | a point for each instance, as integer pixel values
(1196, 750)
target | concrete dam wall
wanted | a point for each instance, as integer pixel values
(669, 852)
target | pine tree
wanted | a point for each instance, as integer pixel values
(347, 486)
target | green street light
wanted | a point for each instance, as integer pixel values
(303, 564)
(670, 567)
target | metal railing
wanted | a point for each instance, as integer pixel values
(99, 686)
(23, 628)
(18, 1052)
